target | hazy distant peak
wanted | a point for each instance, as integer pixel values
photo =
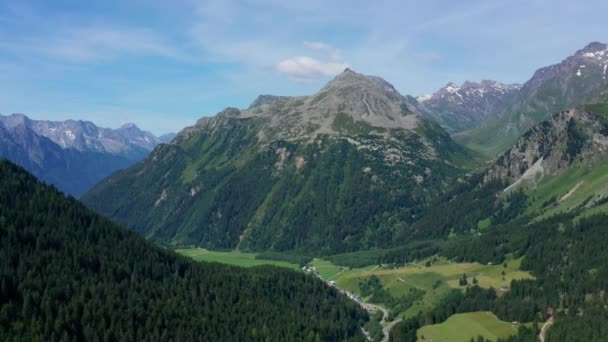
(129, 125)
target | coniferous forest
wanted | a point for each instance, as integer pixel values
(67, 274)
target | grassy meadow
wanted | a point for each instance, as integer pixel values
(436, 280)
(463, 327)
(232, 258)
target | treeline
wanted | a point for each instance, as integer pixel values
(67, 274)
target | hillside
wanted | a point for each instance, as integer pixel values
(69, 274)
(327, 173)
(557, 166)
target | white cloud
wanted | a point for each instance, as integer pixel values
(305, 69)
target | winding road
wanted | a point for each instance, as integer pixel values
(386, 329)
(543, 330)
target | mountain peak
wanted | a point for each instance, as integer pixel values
(348, 75)
(129, 125)
(356, 82)
(348, 71)
(14, 120)
(594, 47)
(365, 100)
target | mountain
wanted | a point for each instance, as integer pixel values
(334, 171)
(72, 155)
(70, 170)
(460, 108)
(68, 274)
(574, 81)
(127, 141)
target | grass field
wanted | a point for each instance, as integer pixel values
(326, 269)
(571, 189)
(463, 327)
(436, 280)
(232, 258)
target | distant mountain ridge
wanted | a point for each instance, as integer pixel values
(72, 155)
(128, 141)
(459, 108)
(574, 81)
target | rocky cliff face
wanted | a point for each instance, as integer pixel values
(553, 146)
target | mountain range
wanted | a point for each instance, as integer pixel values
(72, 155)
(574, 81)
(461, 108)
(352, 166)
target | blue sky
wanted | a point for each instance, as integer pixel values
(164, 64)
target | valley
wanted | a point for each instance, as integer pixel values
(301, 198)
(423, 285)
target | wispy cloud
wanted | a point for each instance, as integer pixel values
(96, 44)
(309, 69)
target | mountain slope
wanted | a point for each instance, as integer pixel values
(72, 155)
(460, 108)
(575, 81)
(559, 166)
(69, 274)
(323, 172)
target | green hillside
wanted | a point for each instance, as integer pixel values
(463, 327)
(67, 274)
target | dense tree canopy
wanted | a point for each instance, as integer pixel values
(68, 274)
